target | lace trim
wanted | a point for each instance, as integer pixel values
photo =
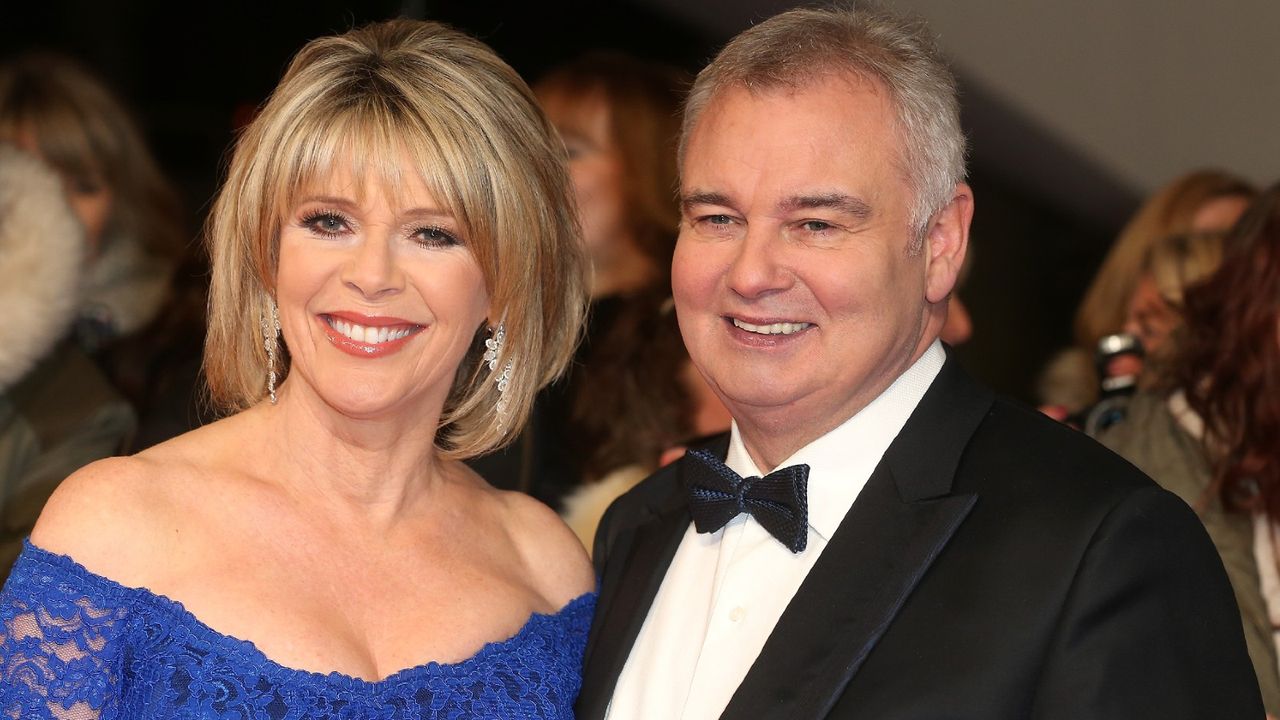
(578, 611)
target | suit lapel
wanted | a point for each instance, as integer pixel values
(901, 521)
(628, 588)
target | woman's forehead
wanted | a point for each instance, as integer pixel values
(393, 173)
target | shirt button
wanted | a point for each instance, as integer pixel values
(737, 614)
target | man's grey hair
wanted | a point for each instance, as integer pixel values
(796, 48)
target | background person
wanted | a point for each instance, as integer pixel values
(396, 270)
(1210, 428)
(630, 393)
(57, 412)
(54, 109)
(1200, 201)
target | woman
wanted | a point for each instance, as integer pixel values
(55, 110)
(396, 271)
(1200, 201)
(1212, 433)
(57, 413)
(619, 119)
(632, 392)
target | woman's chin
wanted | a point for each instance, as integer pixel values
(364, 402)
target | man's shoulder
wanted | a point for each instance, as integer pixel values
(1017, 449)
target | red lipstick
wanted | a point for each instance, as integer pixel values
(357, 334)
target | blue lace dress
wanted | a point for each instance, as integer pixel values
(77, 646)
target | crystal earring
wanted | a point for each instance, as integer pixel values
(271, 343)
(492, 353)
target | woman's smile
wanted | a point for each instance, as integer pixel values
(366, 336)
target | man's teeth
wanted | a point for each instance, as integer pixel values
(782, 328)
(368, 335)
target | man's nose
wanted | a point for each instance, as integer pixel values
(758, 267)
(372, 270)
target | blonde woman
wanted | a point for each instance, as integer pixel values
(396, 271)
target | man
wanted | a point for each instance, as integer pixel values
(923, 549)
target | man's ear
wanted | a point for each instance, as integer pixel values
(945, 244)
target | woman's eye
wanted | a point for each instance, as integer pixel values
(435, 237)
(86, 186)
(325, 223)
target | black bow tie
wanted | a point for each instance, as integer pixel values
(778, 501)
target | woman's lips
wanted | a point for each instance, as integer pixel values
(365, 336)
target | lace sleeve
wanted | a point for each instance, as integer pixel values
(60, 643)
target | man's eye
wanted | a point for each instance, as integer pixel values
(718, 219)
(816, 225)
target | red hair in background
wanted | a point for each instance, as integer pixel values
(1230, 364)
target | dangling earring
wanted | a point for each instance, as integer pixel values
(271, 343)
(493, 350)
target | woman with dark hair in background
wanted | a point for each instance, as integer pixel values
(630, 393)
(1211, 434)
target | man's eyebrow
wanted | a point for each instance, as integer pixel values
(840, 202)
(702, 197)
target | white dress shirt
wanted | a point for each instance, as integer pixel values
(725, 591)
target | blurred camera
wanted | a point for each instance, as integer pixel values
(1119, 359)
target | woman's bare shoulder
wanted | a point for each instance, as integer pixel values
(557, 562)
(118, 515)
(104, 514)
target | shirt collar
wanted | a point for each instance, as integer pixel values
(841, 461)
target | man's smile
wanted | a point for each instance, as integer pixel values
(776, 328)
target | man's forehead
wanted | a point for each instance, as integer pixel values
(858, 86)
(813, 144)
(835, 200)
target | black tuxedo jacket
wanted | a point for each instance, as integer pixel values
(996, 565)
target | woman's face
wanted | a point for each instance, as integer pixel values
(595, 167)
(90, 198)
(1150, 317)
(1219, 214)
(379, 296)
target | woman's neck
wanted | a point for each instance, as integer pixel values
(368, 470)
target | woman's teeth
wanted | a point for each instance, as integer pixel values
(369, 335)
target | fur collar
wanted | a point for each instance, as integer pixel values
(41, 260)
(125, 286)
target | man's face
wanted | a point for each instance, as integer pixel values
(798, 292)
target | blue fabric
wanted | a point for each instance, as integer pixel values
(77, 646)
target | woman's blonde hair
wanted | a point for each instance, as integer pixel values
(1169, 212)
(1179, 261)
(386, 98)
